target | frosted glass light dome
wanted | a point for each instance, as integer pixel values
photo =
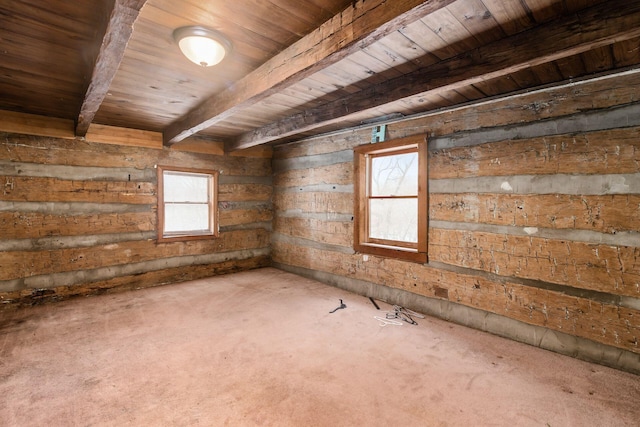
(202, 46)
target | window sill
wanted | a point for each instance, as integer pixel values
(182, 238)
(397, 252)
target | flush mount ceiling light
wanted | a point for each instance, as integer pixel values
(201, 45)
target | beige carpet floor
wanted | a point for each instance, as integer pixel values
(261, 348)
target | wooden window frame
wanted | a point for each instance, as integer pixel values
(213, 205)
(362, 157)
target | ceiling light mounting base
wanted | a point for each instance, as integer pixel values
(202, 46)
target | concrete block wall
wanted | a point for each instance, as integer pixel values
(534, 207)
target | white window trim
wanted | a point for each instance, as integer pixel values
(213, 206)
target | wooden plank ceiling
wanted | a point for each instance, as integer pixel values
(297, 68)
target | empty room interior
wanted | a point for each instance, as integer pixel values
(322, 212)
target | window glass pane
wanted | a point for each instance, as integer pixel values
(394, 175)
(394, 219)
(186, 187)
(186, 217)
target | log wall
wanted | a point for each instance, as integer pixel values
(78, 217)
(534, 212)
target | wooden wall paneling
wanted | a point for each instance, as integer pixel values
(147, 279)
(328, 144)
(611, 214)
(244, 192)
(337, 173)
(614, 151)
(339, 233)
(39, 189)
(32, 124)
(575, 264)
(78, 217)
(22, 264)
(314, 202)
(86, 154)
(232, 215)
(200, 145)
(600, 322)
(539, 105)
(123, 136)
(34, 225)
(262, 152)
(564, 260)
(603, 92)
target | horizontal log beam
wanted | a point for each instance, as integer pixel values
(43, 189)
(598, 26)
(53, 152)
(32, 124)
(314, 202)
(596, 267)
(28, 297)
(604, 214)
(229, 218)
(36, 225)
(355, 28)
(25, 264)
(339, 233)
(612, 151)
(124, 136)
(244, 192)
(115, 40)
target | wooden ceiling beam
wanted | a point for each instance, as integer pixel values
(598, 26)
(358, 26)
(117, 35)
